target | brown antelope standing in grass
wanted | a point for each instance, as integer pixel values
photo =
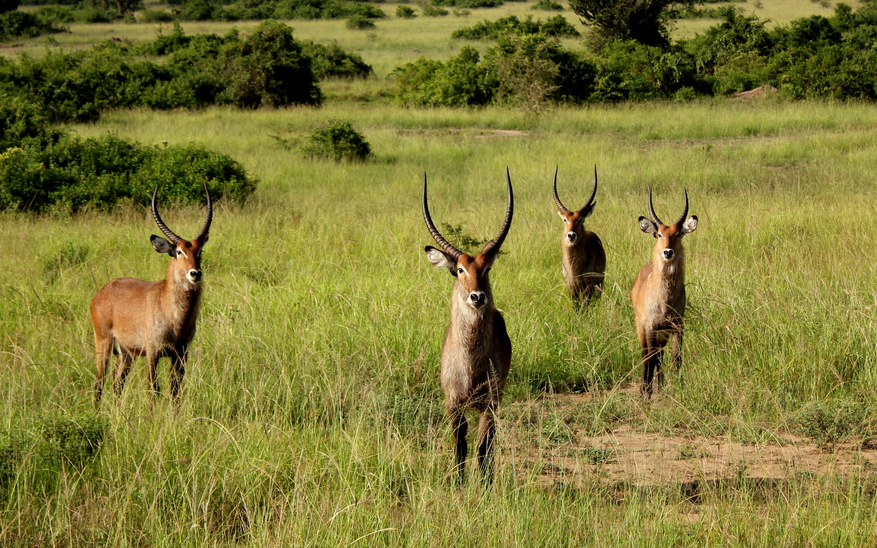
(584, 261)
(659, 293)
(153, 319)
(477, 351)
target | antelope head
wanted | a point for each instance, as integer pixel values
(574, 221)
(186, 254)
(668, 248)
(472, 283)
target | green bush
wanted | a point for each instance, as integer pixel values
(269, 69)
(554, 26)
(22, 24)
(331, 61)
(405, 12)
(55, 15)
(75, 173)
(461, 81)
(155, 16)
(266, 68)
(73, 441)
(337, 141)
(24, 123)
(434, 11)
(547, 5)
(359, 22)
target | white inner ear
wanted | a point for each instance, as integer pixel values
(690, 225)
(648, 226)
(439, 259)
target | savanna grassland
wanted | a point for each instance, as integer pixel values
(311, 412)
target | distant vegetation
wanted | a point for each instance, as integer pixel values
(43, 168)
(553, 26)
(813, 57)
(267, 68)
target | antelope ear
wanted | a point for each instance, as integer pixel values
(588, 211)
(647, 226)
(440, 259)
(690, 225)
(161, 245)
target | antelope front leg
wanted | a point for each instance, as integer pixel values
(677, 347)
(486, 434)
(461, 427)
(178, 370)
(651, 361)
(151, 363)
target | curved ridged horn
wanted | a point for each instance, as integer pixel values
(684, 211)
(593, 192)
(493, 246)
(167, 232)
(560, 206)
(439, 239)
(652, 210)
(206, 228)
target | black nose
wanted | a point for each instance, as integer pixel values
(477, 297)
(195, 274)
(668, 253)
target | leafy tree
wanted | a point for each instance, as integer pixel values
(644, 21)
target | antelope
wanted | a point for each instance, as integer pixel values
(153, 319)
(477, 351)
(583, 258)
(659, 293)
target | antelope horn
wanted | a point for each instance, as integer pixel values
(493, 246)
(167, 232)
(444, 244)
(560, 206)
(652, 210)
(684, 211)
(206, 228)
(593, 192)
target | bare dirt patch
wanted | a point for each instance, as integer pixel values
(632, 455)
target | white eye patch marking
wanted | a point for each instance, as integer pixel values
(180, 252)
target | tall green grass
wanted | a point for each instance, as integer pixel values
(311, 411)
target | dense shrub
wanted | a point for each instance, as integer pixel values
(468, 3)
(553, 26)
(23, 123)
(22, 24)
(266, 68)
(337, 141)
(461, 81)
(434, 11)
(547, 5)
(331, 61)
(73, 173)
(8, 5)
(203, 10)
(523, 69)
(405, 12)
(55, 15)
(359, 22)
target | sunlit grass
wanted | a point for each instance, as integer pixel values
(311, 411)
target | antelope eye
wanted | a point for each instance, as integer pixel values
(460, 270)
(179, 252)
